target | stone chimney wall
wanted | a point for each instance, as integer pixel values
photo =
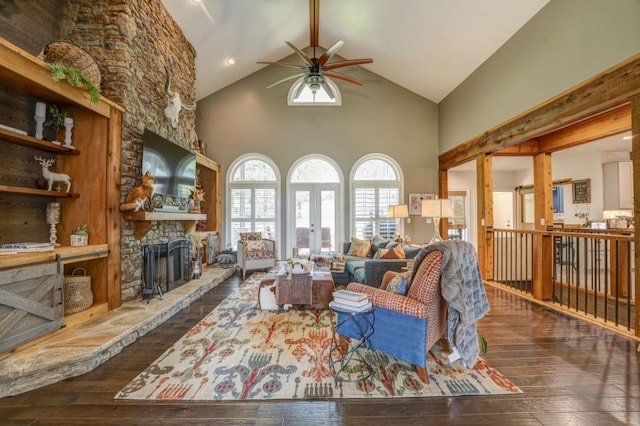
(135, 42)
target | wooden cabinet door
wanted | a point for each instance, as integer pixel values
(30, 304)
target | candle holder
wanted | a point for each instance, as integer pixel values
(53, 218)
(40, 116)
(68, 125)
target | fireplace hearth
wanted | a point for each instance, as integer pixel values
(166, 266)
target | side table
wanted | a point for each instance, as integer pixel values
(362, 322)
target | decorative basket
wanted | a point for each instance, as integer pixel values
(79, 239)
(72, 55)
(77, 292)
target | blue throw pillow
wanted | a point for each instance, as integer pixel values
(399, 284)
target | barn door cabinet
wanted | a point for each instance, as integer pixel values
(94, 167)
(30, 304)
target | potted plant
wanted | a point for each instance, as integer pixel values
(80, 235)
(75, 78)
(56, 121)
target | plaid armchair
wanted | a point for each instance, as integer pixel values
(255, 252)
(406, 327)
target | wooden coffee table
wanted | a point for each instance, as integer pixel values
(302, 291)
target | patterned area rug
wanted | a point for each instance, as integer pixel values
(238, 352)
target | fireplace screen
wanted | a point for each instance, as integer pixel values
(166, 266)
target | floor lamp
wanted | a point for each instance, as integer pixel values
(436, 209)
(398, 212)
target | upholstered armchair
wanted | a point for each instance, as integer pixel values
(406, 327)
(255, 252)
(445, 294)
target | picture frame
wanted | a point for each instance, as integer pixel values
(415, 203)
(581, 191)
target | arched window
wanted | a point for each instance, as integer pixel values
(376, 182)
(253, 182)
(315, 208)
(302, 93)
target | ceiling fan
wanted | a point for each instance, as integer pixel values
(316, 70)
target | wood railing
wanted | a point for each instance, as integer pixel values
(591, 273)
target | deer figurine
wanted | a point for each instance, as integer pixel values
(51, 176)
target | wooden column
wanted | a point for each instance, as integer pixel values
(443, 192)
(542, 246)
(484, 185)
(635, 156)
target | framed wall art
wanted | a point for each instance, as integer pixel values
(415, 203)
(581, 191)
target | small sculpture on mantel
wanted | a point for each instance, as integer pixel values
(140, 197)
(52, 177)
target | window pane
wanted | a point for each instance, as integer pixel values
(315, 170)
(254, 171)
(265, 203)
(365, 202)
(375, 170)
(240, 203)
(365, 229)
(387, 197)
(266, 229)
(387, 228)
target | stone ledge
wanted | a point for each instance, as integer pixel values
(79, 349)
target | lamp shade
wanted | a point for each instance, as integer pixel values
(437, 208)
(401, 210)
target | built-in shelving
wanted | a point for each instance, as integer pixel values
(67, 255)
(30, 141)
(34, 191)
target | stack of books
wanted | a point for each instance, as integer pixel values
(15, 248)
(352, 301)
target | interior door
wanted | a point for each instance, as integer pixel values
(503, 210)
(314, 218)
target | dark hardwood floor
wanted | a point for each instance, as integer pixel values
(571, 373)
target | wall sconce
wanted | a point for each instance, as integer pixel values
(436, 209)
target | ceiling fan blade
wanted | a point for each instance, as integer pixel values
(344, 77)
(291, 77)
(299, 90)
(327, 88)
(314, 22)
(326, 56)
(284, 64)
(347, 63)
(300, 53)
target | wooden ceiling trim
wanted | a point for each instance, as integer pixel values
(599, 94)
(524, 149)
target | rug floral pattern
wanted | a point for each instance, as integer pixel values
(238, 352)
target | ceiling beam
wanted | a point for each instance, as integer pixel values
(314, 22)
(610, 89)
(524, 149)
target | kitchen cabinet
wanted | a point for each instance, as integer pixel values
(618, 185)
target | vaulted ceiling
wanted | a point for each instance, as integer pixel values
(426, 46)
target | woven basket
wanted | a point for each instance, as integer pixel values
(72, 55)
(77, 292)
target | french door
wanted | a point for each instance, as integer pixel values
(314, 218)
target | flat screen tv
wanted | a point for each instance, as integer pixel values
(172, 165)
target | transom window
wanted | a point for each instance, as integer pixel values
(253, 197)
(376, 184)
(301, 94)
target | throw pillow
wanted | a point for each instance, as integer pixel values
(380, 253)
(399, 284)
(377, 243)
(359, 248)
(255, 245)
(251, 236)
(394, 253)
(391, 244)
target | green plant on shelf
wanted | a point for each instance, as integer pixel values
(56, 118)
(81, 230)
(74, 77)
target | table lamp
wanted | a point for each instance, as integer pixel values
(53, 218)
(398, 212)
(436, 209)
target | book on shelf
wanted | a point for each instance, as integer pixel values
(349, 302)
(340, 307)
(350, 295)
(27, 245)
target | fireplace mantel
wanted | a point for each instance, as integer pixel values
(147, 220)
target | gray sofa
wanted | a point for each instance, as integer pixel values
(369, 271)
